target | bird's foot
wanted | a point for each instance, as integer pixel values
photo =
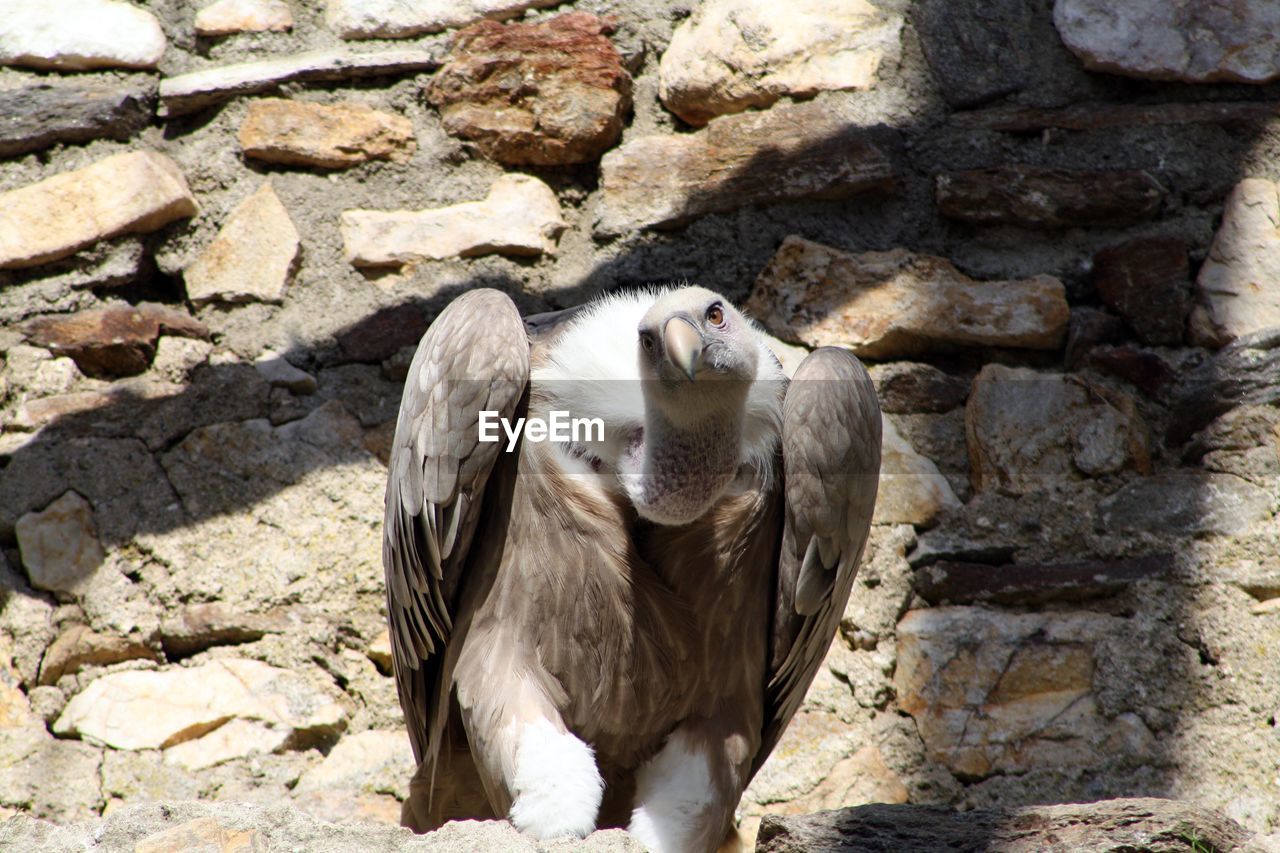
(557, 786)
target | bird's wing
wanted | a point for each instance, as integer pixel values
(831, 466)
(474, 357)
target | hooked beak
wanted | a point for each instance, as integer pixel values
(683, 344)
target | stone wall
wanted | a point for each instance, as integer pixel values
(1050, 229)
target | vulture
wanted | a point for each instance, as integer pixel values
(612, 626)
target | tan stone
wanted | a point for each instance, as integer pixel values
(363, 19)
(520, 216)
(78, 647)
(115, 341)
(59, 544)
(225, 17)
(130, 193)
(379, 651)
(912, 490)
(898, 303)
(251, 258)
(234, 739)
(1239, 283)
(331, 136)
(372, 761)
(203, 834)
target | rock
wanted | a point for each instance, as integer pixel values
(78, 647)
(161, 709)
(1185, 503)
(176, 358)
(379, 651)
(59, 544)
(1132, 825)
(732, 55)
(1237, 288)
(1030, 196)
(187, 93)
(520, 216)
(130, 193)
(38, 116)
(978, 53)
(234, 739)
(225, 17)
(384, 333)
(329, 136)
(1026, 430)
(47, 777)
(202, 833)
(253, 256)
(1034, 584)
(1146, 282)
(1142, 369)
(79, 35)
(1244, 428)
(281, 374)
(363, 19)
(548, 93)
(1099, 116)
(199, 626)
(912, 491)
(898, 303)
(1086, 329)
(905, 387)
(1183, 40)
(372, 761)
(115, 341)
(809, 150)
(1246, 372)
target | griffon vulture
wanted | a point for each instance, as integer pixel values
(613, 629)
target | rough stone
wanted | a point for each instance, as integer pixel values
(80, 35)
(237, 738)
(330, 136)
(1244, 428)
(187, 93)
(379, 651)
(1142, 369)
(520, 216)
(810, 150)
(912, 491)
(1027, 430)
(176, 358)
(78, 647)
(1183, 40)
(732, 55)
(38, 116)
(280, 373)
(1246, 372)
(129, 193)
(161, 709)
(115, 341)
(199, 626)
(548, 93)
(59, 544)
(363, 19)
(905, 387)
(1238, 287)
(945, 582)
(46, 777)
(1186, 503)
(1034, 197)
(977, 53)
(384, 333)
(202, 833)
(372, 761)
(252, 257)
(1099, 116)
(225, 17)
(1086, 329)
(898, 303)
(1147, 282)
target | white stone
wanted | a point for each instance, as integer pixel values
(59, 544)
(279, 372)
(373, 761)
(362, 19)
(234, 739)
(77, 35)
(731, 55)
(243, 16)
(912, 490)
(519, 216)
(251, 258)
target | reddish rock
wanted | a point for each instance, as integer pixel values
(947, 582)
(79, 647)
(1144, 370)
(547, 93)
(116, 341)
(1147, 282)
(1048, 198)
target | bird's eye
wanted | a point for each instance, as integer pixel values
(646, 341)
(715, 315)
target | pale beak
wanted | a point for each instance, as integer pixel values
(683, 344)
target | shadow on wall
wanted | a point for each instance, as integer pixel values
(1070, 622)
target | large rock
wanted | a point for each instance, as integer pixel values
(224, 17)
(1027, 430)
(912, 491)
(44, 114)
(364, 19)
(1030, 196)
(199, 626)
(1246, 372)
(252, 257)
(1186, 503)
(1181, 40)
(979, 52)
(59, 544)
(520, 216)
(115, 341)
(129, 193)
(548, 93)
(905, 387)
(897, 303)
(1239, 283)
(800, 151)
(330, 136)
(731, 55)
(1147, 282)
(79, 646)
(164, 708)
(79, 35)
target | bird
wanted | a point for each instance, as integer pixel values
(613, 627)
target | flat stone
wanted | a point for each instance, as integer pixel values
(898, 303)
(1243, 428)
(548, 93)
(808, 150)
(365, 19)
(79, 35)
(1185, 503)
(38, 116)
(977, 53)
(1034, 584)
(187, 93)
(225, 17)
(1142, 369)
(905, 387)
(200, 626)
(732, 55)
(1030, 196)
(372, 761)
(202, 833)
(912, 491)
(1181, 40)
(160, 709)
(1147, 282)
(59, 544)
(1027, 430)
(235, 739)
(330, 136)
(79, 646)
(281, 374)
(520, 216)
(1099, 116)
(1238, 291)
(1245, 372)
(115, 341)
(131, 193)
(252, 257)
